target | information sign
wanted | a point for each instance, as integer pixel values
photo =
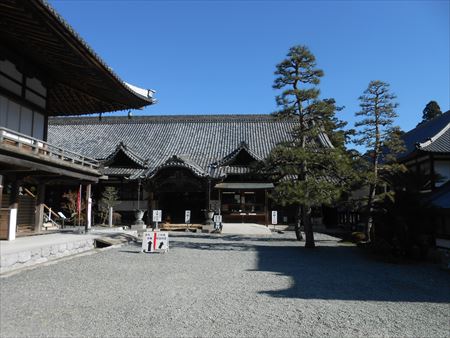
(157, 215)
(274, 217)
(155, 241)
(187, 216)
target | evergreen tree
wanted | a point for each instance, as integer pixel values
(310, 171)
(431, 111)
(380, 137)
(108, 200)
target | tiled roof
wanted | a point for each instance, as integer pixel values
(231, 156)
(198, 140)
(439, 143)
(178, 161)
(129, 153)
(127, 172)
(81, 82)
(429, 136)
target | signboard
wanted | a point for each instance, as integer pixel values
(157, 215)
(217, 218)
(274, 217)
(155, 241)
(187, 216)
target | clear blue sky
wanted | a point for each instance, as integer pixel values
(208, 57)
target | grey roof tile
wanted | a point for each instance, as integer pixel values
(425, 132)
(198, 140)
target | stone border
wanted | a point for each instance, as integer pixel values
(30, 257)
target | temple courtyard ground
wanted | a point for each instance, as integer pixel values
(226, 285)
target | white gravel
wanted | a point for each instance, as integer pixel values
(213, 285)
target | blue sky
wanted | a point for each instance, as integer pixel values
(209, 57)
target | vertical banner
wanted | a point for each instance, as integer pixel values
(79, 205)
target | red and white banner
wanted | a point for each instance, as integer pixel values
(79, 204)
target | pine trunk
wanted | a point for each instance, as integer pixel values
(369, 223)
(309, 234)
(298, 232)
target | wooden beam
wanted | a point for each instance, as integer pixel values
(47, 168)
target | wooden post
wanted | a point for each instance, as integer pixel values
(150, 207)
(39, 208)
(13, 208)
(88, 224)
(266, 208)
(110, 217)
(432, 172)
(1, 190)
(3, 235)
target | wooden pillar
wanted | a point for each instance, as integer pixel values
(3, 214)
(88, 223)
(432, 172)
(1, 190)
(13, 208)
(150, 207)
(39, 208)
(266, 208)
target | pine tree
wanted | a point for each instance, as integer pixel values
(309, 173)
(380, 137)
(431, 111)
(108, 200)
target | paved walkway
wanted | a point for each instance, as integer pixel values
(212, 285)
(245, 229)
(32, 250)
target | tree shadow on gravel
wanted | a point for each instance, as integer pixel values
(235, 238)
(344, 273)
(327, 272)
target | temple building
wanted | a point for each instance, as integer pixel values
(196, 162)
(428, 151)
(47, 70)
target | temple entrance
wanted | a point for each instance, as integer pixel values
(176, 190)
(174, 204)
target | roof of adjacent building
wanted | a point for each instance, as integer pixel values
(203, 143)
(81, 82)
(431, 136)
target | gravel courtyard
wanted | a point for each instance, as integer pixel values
(212, 285)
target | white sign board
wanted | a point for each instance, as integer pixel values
(217, 218)
(155, 241)
(157, 215)
(187, 216)
(274, 217)
(61, 215)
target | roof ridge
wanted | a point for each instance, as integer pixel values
(426, 123)
(434, 138)
(163, 118)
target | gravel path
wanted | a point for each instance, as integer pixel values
(211, 285)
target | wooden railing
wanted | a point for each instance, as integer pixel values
(49, 210)
(27, 144)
